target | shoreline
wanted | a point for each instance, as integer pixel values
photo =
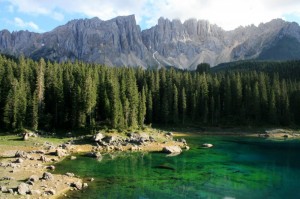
(38, 158)
(41, 155)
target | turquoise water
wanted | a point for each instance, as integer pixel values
(234, 168)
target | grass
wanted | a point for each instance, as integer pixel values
(15, 140)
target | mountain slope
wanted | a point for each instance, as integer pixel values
(120, 41)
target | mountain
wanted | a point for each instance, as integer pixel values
(120, 42)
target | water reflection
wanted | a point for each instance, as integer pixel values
(233, 168)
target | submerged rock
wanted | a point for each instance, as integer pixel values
(207, 145)
(163, 166)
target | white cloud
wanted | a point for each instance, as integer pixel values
(20, 23)
(228, 14)
(58, 16)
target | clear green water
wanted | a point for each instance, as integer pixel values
(235, 168)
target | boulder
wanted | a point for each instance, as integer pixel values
(172, 149)
(207, 145)
(3, 189)
(91, 179)
(33, 178)
(98, 137)
(43, 158)
(169, 134)
(28, 134)
(50, 192)
(23, 189)
(50, 167)
(21, 154)
(183, 141)
(30, 183)
(110, 139)
(35, 192)
(77, 185)
(94, 154)
(47, 176)
(7, 178)
(73, 158)
(25, 136)
(19, 160)
(61, 152)
(70, 174)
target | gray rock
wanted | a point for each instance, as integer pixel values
(35, 192)
(85, 185)
(21, 154)
(43, 158)
(172, 149)
(50, 167)
(77, 185)
(3, 189)
(120, 42)
(91, 179)
(207, 145)
(19, 160)
(183, 141)
(23, 189)
(70, 174)
(25, 136)
(170, 134)
(30, 183)
(48, 176)
(7, 178)
(73, 157)
(98, 137)
(50, 192)
(94, 154)
(110, 139)
(33, 178)
(61, 152)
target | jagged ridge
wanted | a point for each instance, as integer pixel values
(120, 42)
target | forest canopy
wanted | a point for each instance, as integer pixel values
(46, 95)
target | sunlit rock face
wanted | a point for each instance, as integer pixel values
(120, 42)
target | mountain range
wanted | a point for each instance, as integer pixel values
(121, 42)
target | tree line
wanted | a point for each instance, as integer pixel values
(46, 95)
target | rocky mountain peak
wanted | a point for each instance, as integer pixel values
(120, 41)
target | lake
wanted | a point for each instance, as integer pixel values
(236, 167)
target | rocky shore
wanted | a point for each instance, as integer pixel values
(25, 171)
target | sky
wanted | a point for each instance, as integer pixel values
(45, 15)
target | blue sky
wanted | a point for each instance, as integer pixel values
(45, 15)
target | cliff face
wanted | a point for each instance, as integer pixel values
(120, 42)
